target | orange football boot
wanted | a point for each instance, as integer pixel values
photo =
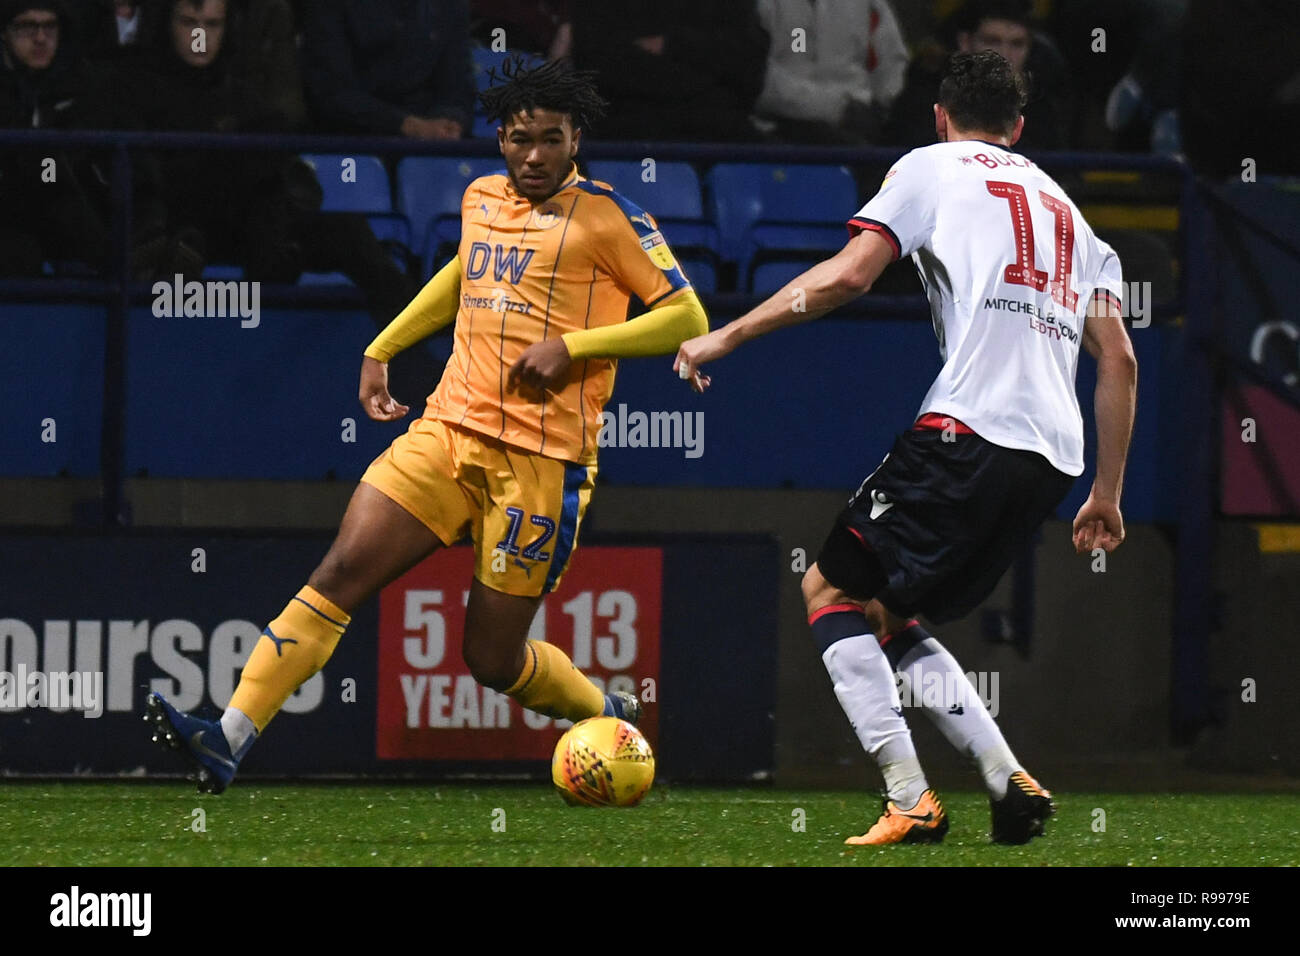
(924, 823)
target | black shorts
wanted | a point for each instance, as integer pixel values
(934, 528)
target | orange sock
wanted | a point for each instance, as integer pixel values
(551, 685)
(292, 648)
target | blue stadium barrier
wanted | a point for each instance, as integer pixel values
(52, 390)
(295, 367)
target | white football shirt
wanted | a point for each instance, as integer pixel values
(1009, 266)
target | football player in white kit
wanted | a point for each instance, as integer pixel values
(1017, 282)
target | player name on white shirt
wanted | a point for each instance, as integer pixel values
(1010, 268)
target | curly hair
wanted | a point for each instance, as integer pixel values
(552, 86)
(982, 93)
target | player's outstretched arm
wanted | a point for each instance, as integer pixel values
(657, 332)
(433, 308)
(1099, 523)
(824, 287)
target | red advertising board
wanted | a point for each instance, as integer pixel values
(605, 616)
(1260, 473)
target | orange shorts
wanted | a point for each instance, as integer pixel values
(521, 510)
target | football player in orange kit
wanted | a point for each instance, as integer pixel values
(506, 449)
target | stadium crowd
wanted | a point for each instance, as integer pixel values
(1103, 74)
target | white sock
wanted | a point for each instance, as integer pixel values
(939, 685)
(238, 729)
(866, 690)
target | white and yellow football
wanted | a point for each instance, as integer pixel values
(603, 762)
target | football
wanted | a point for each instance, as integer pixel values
(603, 762)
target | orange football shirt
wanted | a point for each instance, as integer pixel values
(530, 273)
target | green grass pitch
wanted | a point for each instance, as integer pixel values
(154, 824)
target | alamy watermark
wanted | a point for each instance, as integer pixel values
(53, 690)
(210, 299)
(77, 909)
(951, 692)
(624, 429)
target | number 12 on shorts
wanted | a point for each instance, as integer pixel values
(510, 543)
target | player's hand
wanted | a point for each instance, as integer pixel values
(422, 127)
(374, 396)
(541, 366)
(447, 128)
(1098, 524)
(693, 353)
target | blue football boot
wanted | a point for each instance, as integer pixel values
(201, 740)
(622, 705)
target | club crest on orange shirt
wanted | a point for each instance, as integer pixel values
(546, 215)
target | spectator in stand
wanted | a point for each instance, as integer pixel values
(1005, 27)
(56, 202)
(541, 27)
(257, 82)
(390, 67)
(256, 209)
(1128, 98)
(677, 69)
(833, 68)
(112, 28)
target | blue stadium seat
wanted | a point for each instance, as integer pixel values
(394, 228)
(775, 208)
(770, 276)
(702, 271)
(429, 191)
(674, 193)
(673, 197)
(370, 193)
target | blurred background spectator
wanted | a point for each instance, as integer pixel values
(541, 27)
(389, 67)
(240, 70)
(1128, 91)
(679, 69)
(56, 202)
(112, 27)
(1006, 27)
(257, 210)
(833, 68)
